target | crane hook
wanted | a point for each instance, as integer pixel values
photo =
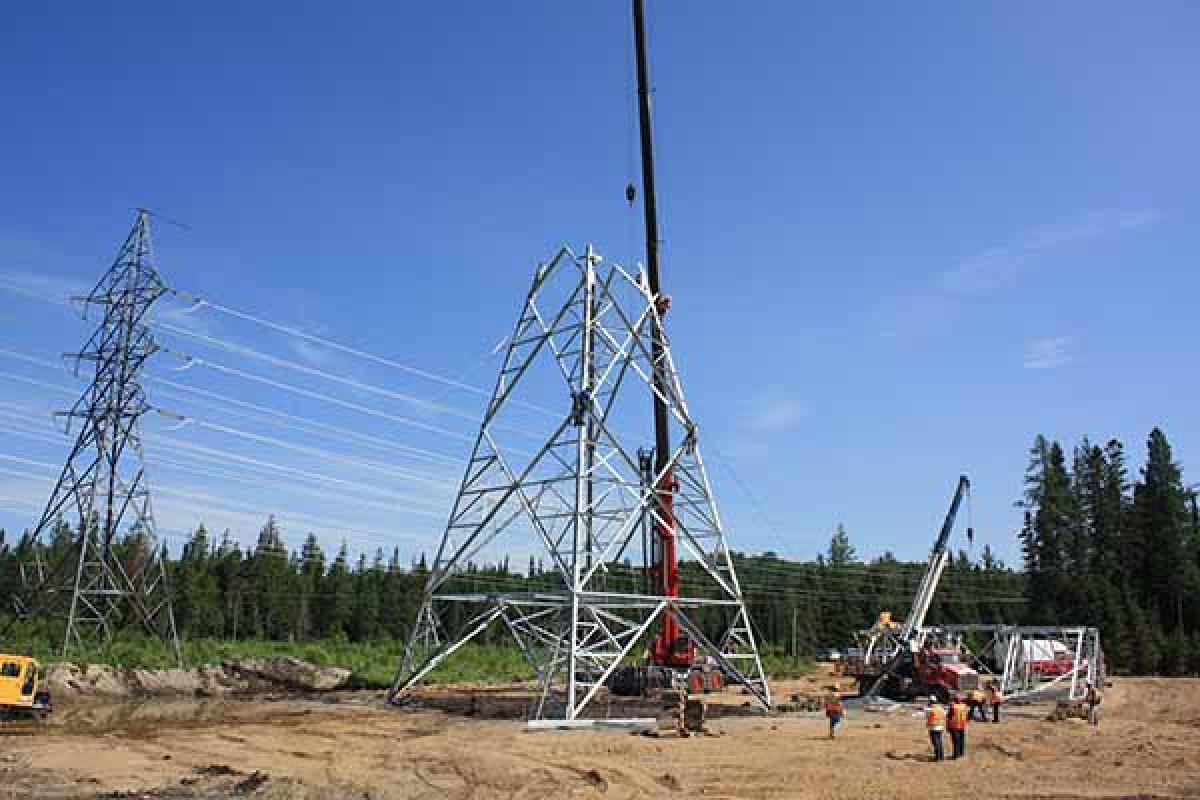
(630, 194)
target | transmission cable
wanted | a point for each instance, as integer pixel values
(289, 364)
(330, 343)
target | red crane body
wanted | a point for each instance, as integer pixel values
(671, 647)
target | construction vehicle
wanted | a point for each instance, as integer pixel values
(1045, 658)
(672, 655)
(901, 660)
(21, 688)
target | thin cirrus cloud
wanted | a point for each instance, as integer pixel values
(927, 308)
(999, 266)
(1048, 353)
(42, 286)
(775, 415)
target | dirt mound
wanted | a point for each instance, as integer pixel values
(71, 682)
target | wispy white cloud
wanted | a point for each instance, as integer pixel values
(312, 353)
(1048, 352)
(42, 286)
(775, 414)
(998, 266)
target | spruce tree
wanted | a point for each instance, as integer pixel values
(1160, 513)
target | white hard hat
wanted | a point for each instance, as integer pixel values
(933, 698)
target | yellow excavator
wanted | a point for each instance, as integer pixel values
(22, 692)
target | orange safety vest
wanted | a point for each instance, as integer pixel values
(935, 717)
(834, 709)
(995, 697)
(958, 717)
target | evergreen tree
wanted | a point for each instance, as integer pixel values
(1160, 515)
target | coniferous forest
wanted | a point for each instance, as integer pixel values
(1102, 544)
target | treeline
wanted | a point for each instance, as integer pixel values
(1121, 555)
(267, 592)
(1098, 549)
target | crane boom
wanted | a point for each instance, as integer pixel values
(670, 648)
(938, 559)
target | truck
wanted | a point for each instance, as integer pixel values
(21, 688)
(901, 660)
(1045, 658)
(930, 671)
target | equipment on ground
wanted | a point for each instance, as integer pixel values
(21, 688)
(901, 660)
(672, 656)
(590, 333)
(1034, 661)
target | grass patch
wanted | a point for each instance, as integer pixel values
(373, 664)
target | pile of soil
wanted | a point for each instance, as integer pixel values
(71, 683)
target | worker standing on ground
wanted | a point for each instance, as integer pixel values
(975, 704)
(935, 723)
(957, 723)
(996, 699)
(1094, 699)
(835, 710)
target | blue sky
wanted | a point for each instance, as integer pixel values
(901, 241)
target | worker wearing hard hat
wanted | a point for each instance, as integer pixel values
(835, 709)
(957, 723)
(976, 705)
(935, 723)
(996, 699)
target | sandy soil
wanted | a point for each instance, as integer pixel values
(1147, 747)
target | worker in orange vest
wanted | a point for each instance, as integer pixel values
(957, 723)
(996, 698)
(975, 702)
(835, 710)
(935, 723)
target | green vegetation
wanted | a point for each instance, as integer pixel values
(1097, 550)
(1122, 557)
(373, 663)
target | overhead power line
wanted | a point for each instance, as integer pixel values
(326, 428)
(302, 522)
(300, 423)
(294, 366)
(331, 344)
(319, 452)
(191, 360)
(347, 489)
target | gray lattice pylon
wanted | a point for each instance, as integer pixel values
(583, 336)
(113, 573)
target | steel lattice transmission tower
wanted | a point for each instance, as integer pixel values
(113, 574)
(579, 365)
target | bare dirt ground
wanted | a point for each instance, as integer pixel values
(1148, 746)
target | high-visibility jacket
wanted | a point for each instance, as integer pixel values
(935, 717)
(834, 710)
(976, 696)
(958, 717)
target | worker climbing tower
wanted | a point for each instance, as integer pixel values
(587, 347)
(112, 573)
